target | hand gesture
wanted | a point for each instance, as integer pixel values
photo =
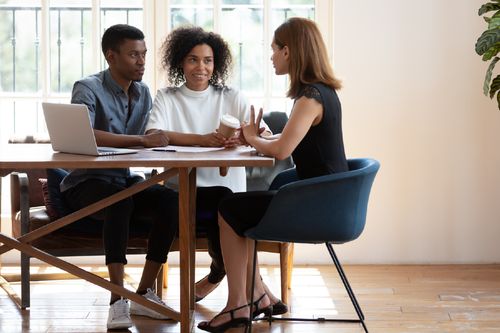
(252, 128)
(155, 138)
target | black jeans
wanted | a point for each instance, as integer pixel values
(154, 210)
(207, 207)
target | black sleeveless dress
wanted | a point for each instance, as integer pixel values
(321, 152)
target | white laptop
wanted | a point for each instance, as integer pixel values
(71, 132)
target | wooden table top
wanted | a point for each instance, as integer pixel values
(35, 156)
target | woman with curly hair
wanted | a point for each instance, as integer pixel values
(189, 111)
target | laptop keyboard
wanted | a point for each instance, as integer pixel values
(104, 151)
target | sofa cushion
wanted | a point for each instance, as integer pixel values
(49, 205)
(54, 178)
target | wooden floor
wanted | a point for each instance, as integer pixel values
(423, 299)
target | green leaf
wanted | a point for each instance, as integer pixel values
(488, 7)
(487, 40)
(495, 86)
(494, 22)
(492, 51)
(489, 73)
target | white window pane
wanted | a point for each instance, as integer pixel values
(70, 43)
(242, 27)
(121, 4)
(281, 11)
(115, 12)
(293, 2)
(242, 2)
(196, 15)
(20, 46)
(192, 2)
(281, 104)
(27, 117)
(121, 12)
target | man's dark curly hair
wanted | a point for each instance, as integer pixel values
(181, 41)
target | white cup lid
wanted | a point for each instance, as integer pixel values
(230, 121)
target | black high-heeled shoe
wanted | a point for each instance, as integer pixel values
(234, 322)
(279, 308)
(267, 311)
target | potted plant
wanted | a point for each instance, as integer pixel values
(488, 46)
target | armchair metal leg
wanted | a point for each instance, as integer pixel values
(25, 281)
(346, 285)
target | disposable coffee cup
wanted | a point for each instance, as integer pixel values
(228, 125)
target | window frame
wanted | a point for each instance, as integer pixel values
(156, 24)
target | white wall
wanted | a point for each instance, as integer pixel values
(412, 99)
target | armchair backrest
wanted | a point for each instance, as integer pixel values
(329, 208)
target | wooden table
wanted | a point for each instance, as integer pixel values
(40, 156)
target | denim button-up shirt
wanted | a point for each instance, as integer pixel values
(109, 111)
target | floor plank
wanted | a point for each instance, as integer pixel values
(394, 298)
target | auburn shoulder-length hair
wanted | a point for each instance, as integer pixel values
(308, 58)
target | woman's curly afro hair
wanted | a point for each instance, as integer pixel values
(182, 40)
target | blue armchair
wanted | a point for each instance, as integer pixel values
(328, 209)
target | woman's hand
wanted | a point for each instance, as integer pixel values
(213, 139)
(155, 138)
(233, 141)
(252, 130)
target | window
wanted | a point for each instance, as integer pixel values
(46, 45)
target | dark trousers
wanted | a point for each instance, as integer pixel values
(207, 207)
(154, 210)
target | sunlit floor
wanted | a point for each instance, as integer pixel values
(456, 298)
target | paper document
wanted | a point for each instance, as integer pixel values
(186, 149)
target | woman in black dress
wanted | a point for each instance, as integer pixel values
(313, 136)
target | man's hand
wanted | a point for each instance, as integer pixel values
(155, 138)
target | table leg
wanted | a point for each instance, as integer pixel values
(192, 230)
(83, 274)
(185, 248)
(0, 220)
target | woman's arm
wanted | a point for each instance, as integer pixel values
(305, 113)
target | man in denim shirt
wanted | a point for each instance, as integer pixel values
(119, 105)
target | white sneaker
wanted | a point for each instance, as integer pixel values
(139, 310)
(119, 315)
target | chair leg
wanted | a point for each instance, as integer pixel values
(347, 286)
(254, 266)
(321, 319)
(286, 265)
(165, 275)
(25, 281)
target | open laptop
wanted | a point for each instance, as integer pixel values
(71, 132)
